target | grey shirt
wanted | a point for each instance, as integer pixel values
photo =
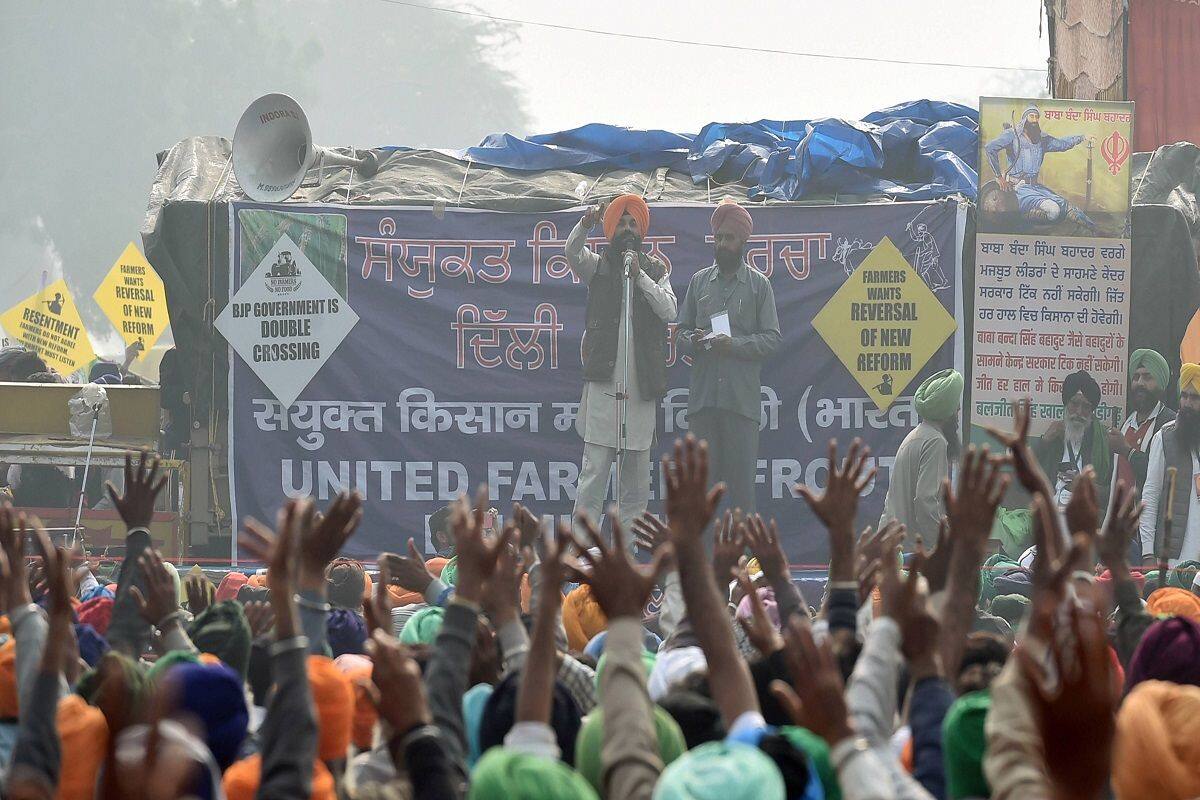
(730, 382)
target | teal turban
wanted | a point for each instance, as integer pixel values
(423, 626)
(964, 745)
(1155, 363)
(817, 749)
(504, 775)
(721, 771)
(939, 397)
(588, 744)
(473, 702)
(1181, 577)
(449, 574)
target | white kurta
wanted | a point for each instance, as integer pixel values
(1155, 492)
(596, 421)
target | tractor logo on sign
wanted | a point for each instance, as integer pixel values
(284, 275)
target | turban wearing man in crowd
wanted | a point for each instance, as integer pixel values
(727, 770)
(1157, 749)
(582, 617)
(914, 496)
(223, 631)
(83, 732)
(963, 746)
(1170, 601)
(1169, 651)
(503, 774)
(1076, 441)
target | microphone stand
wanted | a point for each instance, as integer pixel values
(87, 465)
(622, 393)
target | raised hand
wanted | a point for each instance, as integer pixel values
(837, 506)
(280, 551)
(59, 635)
(620, 586)
(728, 546)
(1082, 511)
(1025, 464)
(907, 602)
(650, 532)
(817, 701)
(529, 525)
(142, 486)
(476, 556)
(690, 503)
(13, 529)
(1120, 526)
(501, 596)
(160, 599)
(400, 692)
(260, 616)
(759, 628)
(320, 543)
(593, 215)
(935, 564)
(971, 510)
(378, 607)
(763, 541)
(1077, 722)
(200, 593)
(408, 572)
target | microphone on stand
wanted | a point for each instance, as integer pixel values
(629, 256)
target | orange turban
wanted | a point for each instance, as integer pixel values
(368, 586)
(732, 217)
(257, 581)
(1174, 602)
(582, 617)
(402, 597)
(8, 680)
(637, 208)
(84, 735)
(242, 778)
(333, 697)
(436, 565)
(5, 625)
(1157, 749)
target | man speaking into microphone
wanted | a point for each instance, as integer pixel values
(626, 220)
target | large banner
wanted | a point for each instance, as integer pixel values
(1052, 256)
(419, 353)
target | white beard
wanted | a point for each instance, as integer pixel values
(1074, 432)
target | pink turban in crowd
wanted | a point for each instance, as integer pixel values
(230, 584)
(637, 209)
(732, 217)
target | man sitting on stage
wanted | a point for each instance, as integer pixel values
(626, 221)
(1077, 440)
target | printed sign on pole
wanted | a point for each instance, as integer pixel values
(133, 299)
(286, 320)
(48, 323)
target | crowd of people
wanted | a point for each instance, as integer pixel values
(524, 663)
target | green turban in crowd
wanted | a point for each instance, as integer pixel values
(1011, 608)
(223, 631)
(505, 775)
(817, 750)
(1182, 576)
(648, 661)
(588, 744)
(1153, 581)
(1014, 529)
(137, 688)
(1154, 363)
(449, 574)
(992, 568)
(168, 660)
(721, 771)
(423, 626)
(964, 746)
(940, 396)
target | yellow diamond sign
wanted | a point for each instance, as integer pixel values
(48, 323)
(884, 324)
(133, 299)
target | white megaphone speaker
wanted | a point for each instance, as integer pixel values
(273, 150)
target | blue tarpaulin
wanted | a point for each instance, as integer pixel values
(919, 150)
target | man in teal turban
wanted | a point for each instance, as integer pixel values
(725, 770)
(1149, 377)
(914, 495)
(423, 627)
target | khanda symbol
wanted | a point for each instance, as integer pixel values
(1115, 150)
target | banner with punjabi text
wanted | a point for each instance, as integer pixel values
(463, 367)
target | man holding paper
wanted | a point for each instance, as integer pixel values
(729, 319)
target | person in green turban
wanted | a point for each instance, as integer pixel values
(726, 770)
(504, 774)
(964, 746)
(1149, 377)
(590, 742)
(914, 495)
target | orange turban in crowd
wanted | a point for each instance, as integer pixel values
(357, 670)
(582, 617)
(1174, 602)
(635, 206)
(242, 778)
(84, 735)
(333, 698)
(402, 597)
(8, 680)
(257, 581)
(436, 564)
(732, 217)
(1156, 755)
(228, 588)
